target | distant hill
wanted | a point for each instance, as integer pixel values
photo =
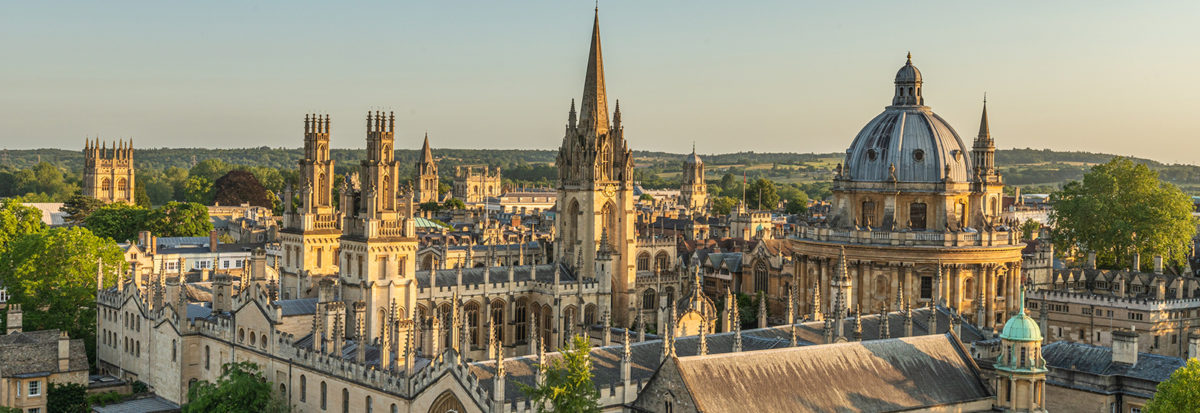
(1033, 169)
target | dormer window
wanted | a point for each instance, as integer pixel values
(918, 155)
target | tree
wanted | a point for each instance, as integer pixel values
(1121, 208)
(140, 197)
(117, 221)
(179, 219)
(53, 275)
(1179, 393)
(1030, 228)
(646, 197)
(761, 194)
(798, 204)
(723, 205)
(238, 187)
(454, 203)
(17, 220)
(210, 169)
(67, 398)
(567, 386)
(430, 206)
(79, 206)
(198, 189)
(242, 387)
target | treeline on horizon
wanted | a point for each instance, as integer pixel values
(166, 170)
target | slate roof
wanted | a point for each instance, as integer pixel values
(299, 306)
(35, 353)
(1098, 360)
(153, 404)
(473, 276)
(646, 356)
(882, 375)
(350, 350)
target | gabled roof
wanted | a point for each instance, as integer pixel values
(1098, 360)
(36, 352)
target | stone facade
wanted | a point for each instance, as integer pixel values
(426, 187)
(108, 172)
(693, 191)
(474, 184)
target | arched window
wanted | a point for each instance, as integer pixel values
(868, 213)
(345, 400)
(1000, 285)
(522, 318)
(122, 186)
(369, 407)
(1023, 357)
(206, 358)
(173, 350)
(322, 193)
(394, 408)
(473, 323)
(643, 262)
(303, 388)
(498, 319)
(662, 261)
(670, 291)
(323, 395)
(760, 277)
(649, 299)
(969, 288)
(105, 185)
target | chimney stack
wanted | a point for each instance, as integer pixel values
(14, 319)
(1091, 260)
(1193, 345)
(64, 352)
(212, 241)
(1125, 347)
(1158, 264)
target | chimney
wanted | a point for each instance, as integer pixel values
(144, 239)
(212, 241)
(1091, 260)
(258, 265)
(1125, 347)
(64, 352)
(1136, 265)
(14, 319)
(1158, 264)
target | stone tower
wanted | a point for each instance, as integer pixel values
(427, 176)
(694, 192)
(108, 172)
(1021, 371)
(378, 244)
(595, 187)
(311, 229)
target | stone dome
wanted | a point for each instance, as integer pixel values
(921, 145)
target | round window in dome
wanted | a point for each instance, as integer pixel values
(871, 154)
(918, 155)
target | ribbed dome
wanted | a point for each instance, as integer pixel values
(908, 73)
(1021, 328)
(921, 145)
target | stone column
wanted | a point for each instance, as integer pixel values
(990, 297)
(909, 291)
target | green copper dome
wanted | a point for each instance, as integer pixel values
(1021, 327)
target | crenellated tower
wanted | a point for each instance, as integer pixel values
(311, 228)
(378, 244)
(595, 188)
(108, 172)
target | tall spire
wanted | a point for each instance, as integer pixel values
(426, 154)
(593, 110)
(984, 132)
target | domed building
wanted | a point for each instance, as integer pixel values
(918, 215)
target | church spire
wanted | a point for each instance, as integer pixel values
(426, 153)
(593, 110)
(985, 133)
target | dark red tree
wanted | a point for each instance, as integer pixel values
(238, 187)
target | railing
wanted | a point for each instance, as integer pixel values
(325, 221)
(909, 238)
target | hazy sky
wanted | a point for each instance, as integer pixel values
(1117, 77)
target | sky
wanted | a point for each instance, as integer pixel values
(766, 76)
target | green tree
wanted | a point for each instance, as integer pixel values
(242, 387)
(17, 220)
(430, 206)
(1030, 228)
(67, 398)
(117, 221)
(140, 197)
(567, 386)
(6, 409)
(798, 204)
(723, 205)
(79, 206)
(198, 189)
(1179, 393)
(179, 219)
(454, 203)
(761, 194)
(53, 275)
(210, 169)
(646, 197)
(1119, 208)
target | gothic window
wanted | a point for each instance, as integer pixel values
(444, 318)
(916, 216)
(498, 319)
(369, 407)
(322, 183)
(649, 300)
(323, 395)
(105, 185)
(122, 186)
(868, 213)
(303, 388)
(969, 288)
(927, 288)
(760, 277)
(662, 261)
(643, 262)
(207, 358)
(1000, 285)
(473, 323)
(589, 315)
(345, 400)
(546, 321)
(670, 291)
(522, 318)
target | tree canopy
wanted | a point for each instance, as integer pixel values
(1179, 393)
(567, 385)
(52, 274)
(761, 194)
(118, 221)
(67, 398)
(179, 219)
(1120, 208)
(242, 387)
(723, 205)
(79, 206)
(239, 186)
(17, 220)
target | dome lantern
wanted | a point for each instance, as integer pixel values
(908, 86)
